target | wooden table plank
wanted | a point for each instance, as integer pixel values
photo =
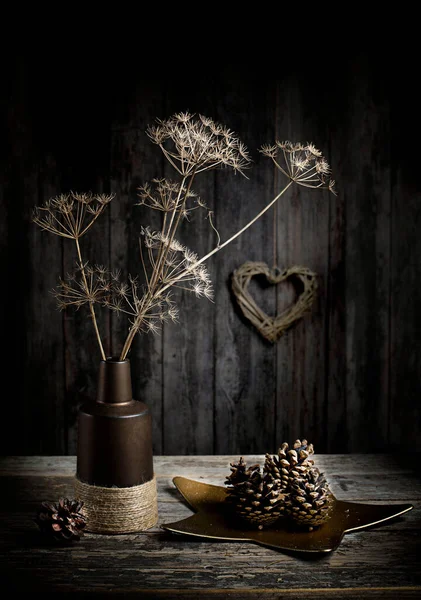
(196, 465)
(382, 562)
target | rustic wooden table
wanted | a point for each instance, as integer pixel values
(380, 562)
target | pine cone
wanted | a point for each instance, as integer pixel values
(310, 501)
(62, 521)
(289, 463)
(240, 473)
(278, 466)
(256, 497)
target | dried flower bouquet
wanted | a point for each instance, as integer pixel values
(192, 145)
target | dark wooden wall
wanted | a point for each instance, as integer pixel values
(347, 376)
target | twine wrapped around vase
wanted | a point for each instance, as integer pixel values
(118, 510)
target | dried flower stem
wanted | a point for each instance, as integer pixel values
(91, 304)
(160, 266)
(170, 234)
(232, 238)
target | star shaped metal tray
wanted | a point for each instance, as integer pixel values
(213, 519)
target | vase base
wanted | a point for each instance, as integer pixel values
(118, 510)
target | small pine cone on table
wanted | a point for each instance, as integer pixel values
(310, 502)
(62, 521)
(255, 497)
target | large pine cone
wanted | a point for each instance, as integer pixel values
(256, 497)
(61, 521)
(289, 463)
(310, 501)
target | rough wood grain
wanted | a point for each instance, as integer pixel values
(34, 326)
(335, 341)
(405, 271)
(303, 239)
(346, 464)
(380, 562)
(244, 416)
(365, 181)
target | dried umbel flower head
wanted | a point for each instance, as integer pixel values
(180, 268)
(131, 300)
(193, 144)
(164, 195)
(88, 284)
(303, 164)
(71, 215)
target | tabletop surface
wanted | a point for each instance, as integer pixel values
(383, 561)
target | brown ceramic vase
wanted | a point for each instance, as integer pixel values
(114, 432)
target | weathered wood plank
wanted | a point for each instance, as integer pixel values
(188, 364)
(364, 152)
(335, 372)
(270, 594)
(36, 419)
(355, 465)
(244, 414)
(303, 239)
(161, 562)
(8, 245)
(405, 272)
(33, 490)
(360, 593)
(135, 161)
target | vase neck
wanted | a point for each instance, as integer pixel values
(114, 382)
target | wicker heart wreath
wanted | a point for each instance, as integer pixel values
(273, 328)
